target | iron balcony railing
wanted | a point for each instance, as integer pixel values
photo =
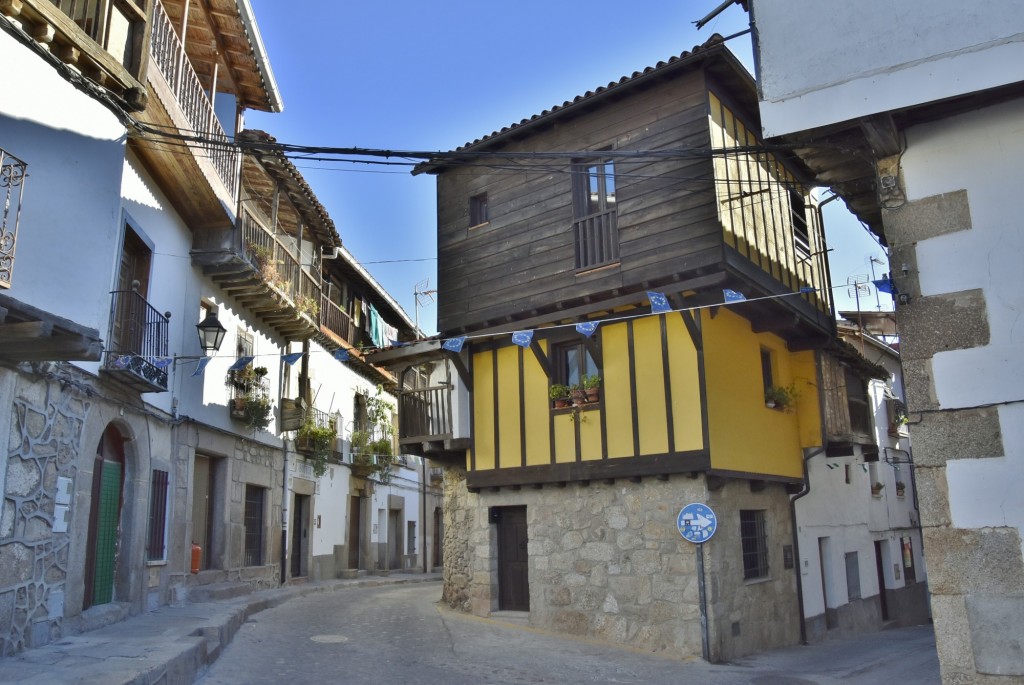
(138, 342)
(170, 57)
(320, 419)
(597, 240)
(425, 414)
(12, 186)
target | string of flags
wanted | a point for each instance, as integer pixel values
(659, 304)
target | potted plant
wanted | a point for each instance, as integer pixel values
(251, 397)
(876, 488)
(307, 305)
(371, 446)
(578, 394)
(781, 397)
(592, 387)
(559, 395)
(901, 488)
(317, 442)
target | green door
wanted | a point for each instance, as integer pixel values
(108, 516)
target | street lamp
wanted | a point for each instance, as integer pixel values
(211, 333)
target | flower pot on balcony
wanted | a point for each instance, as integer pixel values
(362, 470)
(237, 407)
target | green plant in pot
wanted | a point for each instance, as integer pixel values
(371, 445)
(559, 395)
(781, 396)
(317, 442)
(250, 401)
(591, 385)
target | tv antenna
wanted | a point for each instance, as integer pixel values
(423, 295)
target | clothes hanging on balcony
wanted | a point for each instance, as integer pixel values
(376, 328)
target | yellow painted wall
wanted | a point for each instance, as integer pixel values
(745, 435)
(532, 418)
(483, 409)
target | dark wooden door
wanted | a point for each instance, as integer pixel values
(353, 532)
(513, 574)
(300, 535)
(880, 569)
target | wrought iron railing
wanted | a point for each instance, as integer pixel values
(138, 338)
(12, 186)
(425, 414)
(320, 419)
(597, 240)
(170, 57)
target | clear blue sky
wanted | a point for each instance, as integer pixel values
(414, 75)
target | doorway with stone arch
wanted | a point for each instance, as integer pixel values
(108, 477)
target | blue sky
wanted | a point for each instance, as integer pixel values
(417, 75)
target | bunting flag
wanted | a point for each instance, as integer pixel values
(522, 338)
(885, 285)
(290, 359)
(659, 303)
(454, 344)
(808, 289)
(733, 296)
(341, 355)
(587, 328)
(241, 363)
(120, 361)
(202, 365)
(397, 343)
(160, 362)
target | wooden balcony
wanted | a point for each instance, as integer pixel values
(137, 351)
(263, 274)
(425, 415)
(102, 39)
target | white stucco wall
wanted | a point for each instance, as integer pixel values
(981, 152)
(877, 55)
(70, 214)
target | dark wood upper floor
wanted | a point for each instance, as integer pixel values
(584, 208)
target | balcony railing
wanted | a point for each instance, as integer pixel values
(337, 320)
(279, 267)
(425, 414)
(170, 57)
(597, 240)
(12, 186)
(138, 342)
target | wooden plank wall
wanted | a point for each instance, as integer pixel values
(837, 414)
(523, 259)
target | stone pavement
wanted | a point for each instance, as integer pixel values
(170, 646)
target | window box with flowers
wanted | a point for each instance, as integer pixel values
(250, 400)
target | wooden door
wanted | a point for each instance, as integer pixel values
(129, 322)
(353, 531)
(300, 536)
(104, 519)
(394, 538)
(202, 493)
(880, 570)
(513, 573)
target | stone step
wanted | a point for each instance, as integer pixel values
(218, 591)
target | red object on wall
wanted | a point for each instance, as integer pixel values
(197, 556)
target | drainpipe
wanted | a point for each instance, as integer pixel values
(806, 490)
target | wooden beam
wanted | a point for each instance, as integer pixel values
(881, 134)
(53, 348)
(13, 332)
(541, 358)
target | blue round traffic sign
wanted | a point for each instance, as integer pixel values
(697, 523)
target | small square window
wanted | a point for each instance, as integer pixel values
(479, 212)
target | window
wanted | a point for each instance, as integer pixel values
(853, 576)
(156, 537)
(593, 206)
(907, 548)
(410, 537)
(572, 363)
(857, 403)
(754, 537)
(766, 369)
(798, 215)
(478, 210)
(254, 498)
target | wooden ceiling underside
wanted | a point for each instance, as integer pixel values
(215, 34)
